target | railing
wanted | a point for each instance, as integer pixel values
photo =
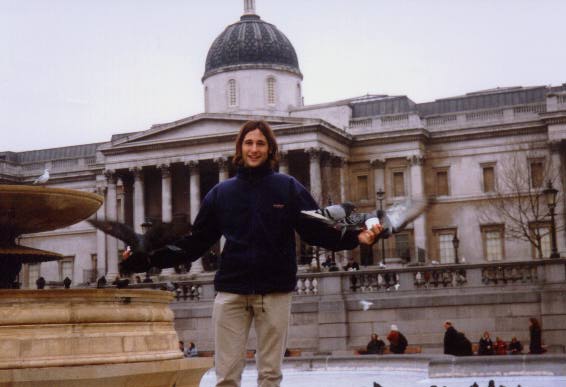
(390, 281)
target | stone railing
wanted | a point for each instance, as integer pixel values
(393, 280)
(419, 278)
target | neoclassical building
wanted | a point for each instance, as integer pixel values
(452, 151)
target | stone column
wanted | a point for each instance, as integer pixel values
(418, 193)
(222, 168)
(166, 194)
(378, 177)
(342, 164)
(139, 205)
(111, 214)
(314, 169)
(194, 183)
(326, 180)
(283, 162)
(100, 238)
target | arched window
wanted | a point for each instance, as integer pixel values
(299, 95)
(232, 100)
(271, 91)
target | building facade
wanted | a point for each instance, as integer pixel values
(463, 154)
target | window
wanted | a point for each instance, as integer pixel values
(271, 91)
(66, 266)
(398, 184)
(232, 100)
(206, 101)
(402, 247)
(537, 173)
(488, 174)
(299, 95)
(442, 182)
(34, 273)
(363, 186)
(543, 231)
(492, 237)
(446, 251)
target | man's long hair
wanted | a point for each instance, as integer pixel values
(265, 129)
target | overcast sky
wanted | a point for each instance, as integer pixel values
(76, 71)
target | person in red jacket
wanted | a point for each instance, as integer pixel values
(500, 346)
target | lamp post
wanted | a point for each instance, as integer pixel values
(380, 196)
(550, 194)
(456, 244)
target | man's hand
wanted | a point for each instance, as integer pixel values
(368, 237)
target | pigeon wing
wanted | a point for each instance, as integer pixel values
(119, 230)
(162, 234)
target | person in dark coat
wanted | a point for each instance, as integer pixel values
(397, 341)
(456, 343)
(375, 346)
(535, 346)
(515, 346)
(486, 345)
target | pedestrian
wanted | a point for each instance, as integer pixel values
(486, 345)
(192, 350)
(456, 343)
(500, 346)
(515, 346)
(376, 346)
(397, 341)
(257, 212)
(535, 345)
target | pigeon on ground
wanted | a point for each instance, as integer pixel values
(397, 286)
(43, 178)
(381, 265)
(143, 246)
(365, 304)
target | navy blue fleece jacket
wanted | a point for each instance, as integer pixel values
(257, 212)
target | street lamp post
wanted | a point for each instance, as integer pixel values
(550, 194)
(380, 196)
(456, 244)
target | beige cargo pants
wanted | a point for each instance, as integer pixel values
(232, 317)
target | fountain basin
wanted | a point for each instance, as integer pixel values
(78, 337)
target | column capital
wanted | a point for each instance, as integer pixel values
(416, 160)
(165, 169)
(339, 161)
(111, 176)
(314, 153)
(137, 172)
(221, 161)
(377, 163)
(192, 164)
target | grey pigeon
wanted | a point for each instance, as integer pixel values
(336, 212)
(375, 384)
(43, 178)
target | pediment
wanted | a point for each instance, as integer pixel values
(194, 127)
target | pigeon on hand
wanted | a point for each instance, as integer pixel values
(149, 249)
(43, 178)
(365, 304)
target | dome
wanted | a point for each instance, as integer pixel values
(251, 43)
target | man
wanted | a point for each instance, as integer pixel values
(257, 212)
(375, 346)
(455, 343)
(397, 341)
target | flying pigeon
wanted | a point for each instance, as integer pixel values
(394, 219)
(365, 304)
(137, 257)
(43, 178)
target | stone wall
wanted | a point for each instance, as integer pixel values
(327, 316)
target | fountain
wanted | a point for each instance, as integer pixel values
(83, 336)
